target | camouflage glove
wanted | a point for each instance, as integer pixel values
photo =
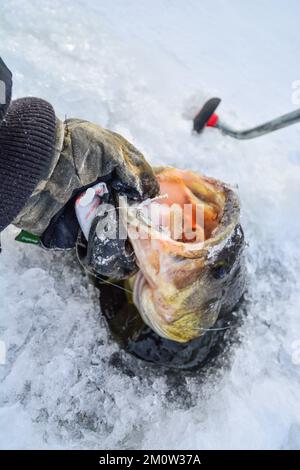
(97, 151)
(100, 152)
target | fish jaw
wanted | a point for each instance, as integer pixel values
(177, 290)
(160, 313)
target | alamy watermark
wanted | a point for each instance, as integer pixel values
(152, 219)
(2, 93)
(296, 352)
(296, 92)
(2, 353)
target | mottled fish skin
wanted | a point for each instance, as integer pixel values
(181, 288)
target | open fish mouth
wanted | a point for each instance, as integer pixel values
(189, 249)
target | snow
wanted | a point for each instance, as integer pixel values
(141, 68)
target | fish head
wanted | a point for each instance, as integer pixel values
(189, 249)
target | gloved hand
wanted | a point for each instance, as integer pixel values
(84, 153)
(97, 151)
(100, 152)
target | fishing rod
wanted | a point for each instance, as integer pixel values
(207, 117)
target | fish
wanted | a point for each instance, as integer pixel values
(190, 277)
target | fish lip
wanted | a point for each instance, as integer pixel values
(140, 282)
(138, 285)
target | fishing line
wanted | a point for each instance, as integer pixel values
(215, 329)
(105, 281)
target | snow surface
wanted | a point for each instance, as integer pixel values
(141, 68)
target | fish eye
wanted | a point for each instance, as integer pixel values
(220, 269)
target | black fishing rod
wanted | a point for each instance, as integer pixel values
(208, 118)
